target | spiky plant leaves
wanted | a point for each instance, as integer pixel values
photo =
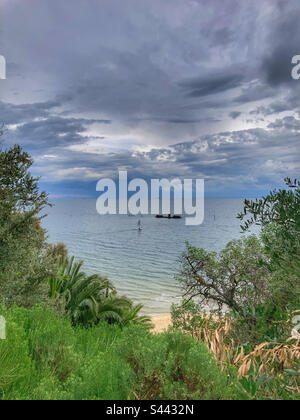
(91, 299)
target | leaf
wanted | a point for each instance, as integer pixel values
(292, 372)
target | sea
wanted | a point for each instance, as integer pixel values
(141, 264)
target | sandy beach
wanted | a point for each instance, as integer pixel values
(161, 322)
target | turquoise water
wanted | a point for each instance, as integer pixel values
(141, 265)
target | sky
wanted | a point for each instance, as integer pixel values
(160, 88)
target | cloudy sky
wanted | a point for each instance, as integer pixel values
(161, 88)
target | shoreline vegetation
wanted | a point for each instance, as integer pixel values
(72, 336)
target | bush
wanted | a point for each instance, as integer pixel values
(279, 216)
(174, 366)
(47, 358)
(265, 354)
(103, 374)
(51, 343)
(15, 362)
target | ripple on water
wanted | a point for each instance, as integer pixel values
(140, 264)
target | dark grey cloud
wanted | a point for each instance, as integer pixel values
(289, 123)
(256, 158)
(234, 114)
(98, 85)
(283, 45)
(273, 108)
(16, 114)
(212, 84)
(37, 131)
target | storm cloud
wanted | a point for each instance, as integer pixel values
(162, 88)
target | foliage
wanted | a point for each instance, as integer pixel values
(233, 279)
(91, 299)
(51, 341)
(20, 199)
(281, 207)
(187, 316)
(15, 364)
(22, 280)
(259, 281)
(51, 359)
(279, 215)
(263, 323)
(24, 263)
(174, 366)
(267, 370)
(284, 267)
(57, 251)
(131, 316)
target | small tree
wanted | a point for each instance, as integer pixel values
(232, 279)
(279, 206)
(279, 216)
(20, 198)
(22, 239)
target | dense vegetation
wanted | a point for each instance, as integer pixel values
(253, 289)
(45, 357)
(71, 336)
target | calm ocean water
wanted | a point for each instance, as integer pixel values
(141, 265)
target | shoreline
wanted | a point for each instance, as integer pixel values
(161, 322)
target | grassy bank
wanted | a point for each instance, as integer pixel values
(45, 357)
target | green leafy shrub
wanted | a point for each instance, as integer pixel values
(187, 316)
(15, 362)
(51, 343)
(51, 359)
(174, 366)
(278, 214)
(24, 264)
(103, 374)
(264, 322)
